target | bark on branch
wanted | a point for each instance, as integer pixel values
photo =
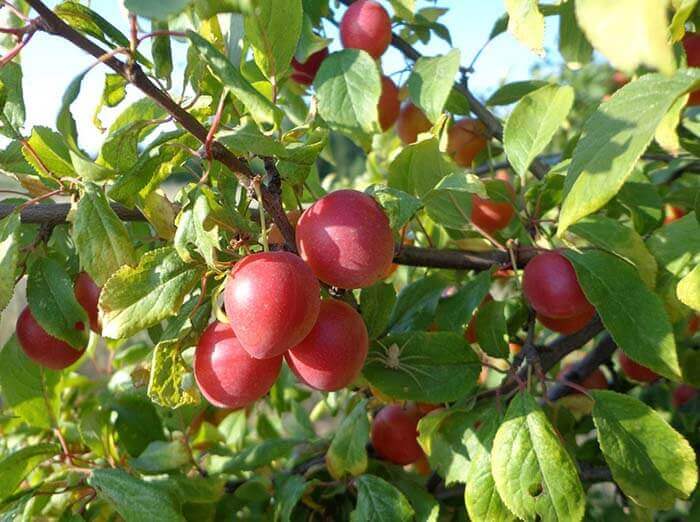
(56, 214)
(583, 368)
(132, 72)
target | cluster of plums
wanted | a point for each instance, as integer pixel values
(273, 303)
(366, 25)
(552, 289)
(48, 351)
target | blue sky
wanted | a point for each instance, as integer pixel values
(50, 63)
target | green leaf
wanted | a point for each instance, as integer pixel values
(416, 305)
(480, 496)
(420, 366)
(88, 170)
(616, 238)
(615, 137)
(629, 33)
(688, 289)
(379, 501)
(404, 8)
(652, 463)
(633, 314)
(15, 467)
(533, 473)
(376, 304)
(512, 92)
(399, 206)
(533, 123)
(65, 122)
(194, 228)
(153, 167)
(13, 111)
(171, 383)
(443, 435)
(161, 52)
(161, 457)
(156, 10)
(573, 45)
(233, 428)
(641, 198)
(273, 29)
(137, 422)
(87, 21)
(160, 213)
(29, 390)
(425, 505)
(288, 492)
(52, 158)
(261, 109)
(491, 329)
(450, 202)
(684, 10)
(113, 93)
(246, 138)
(9, 256)
(137, 298)
(455, 312)
(53, 304)
(666, 134)
(526, 23)
(347, 453)
(348, 87)
(100, 237)
(120, 489)
(676, 246)
(120, 148)
(300, 158)
(428, 84)
(256, 456)
(419, 167)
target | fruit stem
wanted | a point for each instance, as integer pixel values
(261, 213)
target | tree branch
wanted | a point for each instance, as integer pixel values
(405, 255)
(550, 355)
(132, 72)
(583, 368)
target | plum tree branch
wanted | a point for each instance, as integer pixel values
(550, 355)
(132, 72)
(56, 214)
(583, 368)
(492, 123)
